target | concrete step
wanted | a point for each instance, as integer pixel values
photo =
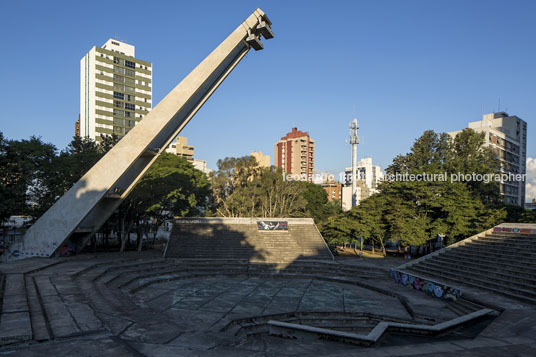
(508, 281)
(15, 323)
(511, 235)
(244, 241)
(484, 259)
(519, 294)
(105, 274)
(65, 308)
(491, 240)
(493, 265)
(513, 239)
(125, 280)
(40, 326)
(498, 250)
(482, 271)
(495, 255)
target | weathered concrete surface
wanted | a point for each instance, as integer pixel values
(87, 314)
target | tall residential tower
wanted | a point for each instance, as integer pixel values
(295, 154)
(115, 90)
(506, 135)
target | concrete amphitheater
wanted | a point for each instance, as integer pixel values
(232, 287)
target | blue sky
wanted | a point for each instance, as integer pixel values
(401, 66)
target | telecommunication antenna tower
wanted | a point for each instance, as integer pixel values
(354, 140)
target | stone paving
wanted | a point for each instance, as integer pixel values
(142, 305)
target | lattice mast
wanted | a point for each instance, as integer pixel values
(354, 140)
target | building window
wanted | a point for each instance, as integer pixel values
(118, 121)
(130, 64)
(119, 70)
(118, 104)
(119, 87)
(130, 98)
(129, 89)
(119, 78)
(130, 106)
(130, 72)
(119, 95)
(119, 130)
(120, 61)
(119, 113)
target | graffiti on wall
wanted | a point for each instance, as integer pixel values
(514, 230)
(68, 248)
(429, 287)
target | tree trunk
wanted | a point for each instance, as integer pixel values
(126, 234)
(139, 235)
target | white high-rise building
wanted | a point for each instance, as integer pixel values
(367, 172)
(115, 90)
(506, 135)
(368, 178)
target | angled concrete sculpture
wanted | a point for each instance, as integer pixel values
(78, 214)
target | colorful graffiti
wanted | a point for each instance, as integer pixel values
(67, 249)
(429, 287)
(514, 230)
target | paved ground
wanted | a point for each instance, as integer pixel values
(142, 305)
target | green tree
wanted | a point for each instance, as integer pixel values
(171, 187)
(232, 172)
(265, 195)
(412, 212)
(24, 168)
(318, 206)
(69, 166)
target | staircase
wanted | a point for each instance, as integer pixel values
(231, 238)
(501, 260)
(40, 308)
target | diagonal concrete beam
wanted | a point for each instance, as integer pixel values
(78, 214)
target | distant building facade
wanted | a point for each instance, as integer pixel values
(262, 160)
(362, 192)
(506, 135)
(115, 90)
(181, 148)
(368, 179)
(201, 165)
(333, 190)
(295, 154)
(370, 174)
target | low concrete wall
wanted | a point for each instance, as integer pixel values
(297, 331)
(239, 220)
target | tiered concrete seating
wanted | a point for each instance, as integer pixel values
(108, 295)
(229, 238)
(500, 262)
(131, 277)
(40, 307)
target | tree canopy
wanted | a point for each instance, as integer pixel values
(243, 189)
(412, 212)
